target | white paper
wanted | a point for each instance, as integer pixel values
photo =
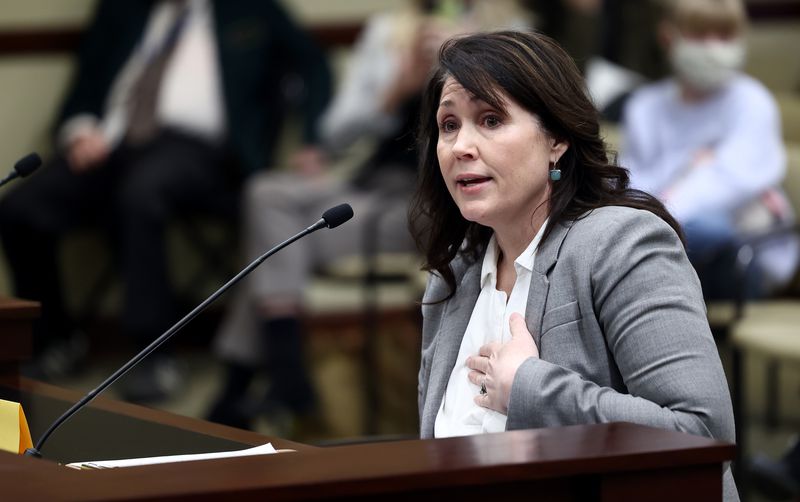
(264, 449)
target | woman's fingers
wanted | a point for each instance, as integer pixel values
(476, 377)
(490, 349)
(478, 363)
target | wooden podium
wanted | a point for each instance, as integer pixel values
(617, 461)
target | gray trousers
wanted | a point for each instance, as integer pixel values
(278, 205)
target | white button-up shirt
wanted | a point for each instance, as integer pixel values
(459, 415)
(190, 95)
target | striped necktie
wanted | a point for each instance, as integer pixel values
(142, 121)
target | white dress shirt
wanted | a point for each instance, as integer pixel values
(357, 108)
(459, 415)
(190, 97)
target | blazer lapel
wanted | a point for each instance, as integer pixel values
(546, 258)
(451, 332)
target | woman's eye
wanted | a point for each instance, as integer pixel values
(447, 126)
(491, 121)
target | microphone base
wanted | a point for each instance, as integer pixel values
(32, 452)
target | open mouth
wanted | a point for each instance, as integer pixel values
(471, 181)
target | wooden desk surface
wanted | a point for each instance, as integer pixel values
(600, 462)
(14, 308)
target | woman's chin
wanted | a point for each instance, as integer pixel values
(475, 215)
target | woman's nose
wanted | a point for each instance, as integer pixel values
(464, 146)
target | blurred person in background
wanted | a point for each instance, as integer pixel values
(378, 100)
(173, 104)
(778, 479)
(576, 24)
(707, 141)
(613, 42)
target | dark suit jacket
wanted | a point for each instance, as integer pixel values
(258, 46)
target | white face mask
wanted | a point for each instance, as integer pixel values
(706, 65)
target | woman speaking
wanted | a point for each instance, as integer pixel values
(557, 295)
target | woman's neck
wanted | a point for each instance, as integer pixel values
(510, 245)
(510, 248)
(512, 241)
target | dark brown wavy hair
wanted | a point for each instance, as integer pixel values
(533, 71)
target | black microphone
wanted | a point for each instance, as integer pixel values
(331, 218)
(24, 166)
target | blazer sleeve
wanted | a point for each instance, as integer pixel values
(648, 306)
(431, 317)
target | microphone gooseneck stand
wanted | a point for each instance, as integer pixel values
(331, 218)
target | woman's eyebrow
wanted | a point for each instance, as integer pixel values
(447, 103)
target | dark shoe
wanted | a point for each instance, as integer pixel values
(244, 413)
(299, 401)
(230, 413)
(154, 380)
(227, 408)
(774, 479)
(63, 358)
(289, 379)
(286, 421)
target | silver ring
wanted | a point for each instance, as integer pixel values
(483, 387)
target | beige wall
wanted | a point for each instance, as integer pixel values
(14, 13)
(32, 86)
(31, 93)
(38, 12)
(773, 56)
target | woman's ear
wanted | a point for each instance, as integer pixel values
(558, 148)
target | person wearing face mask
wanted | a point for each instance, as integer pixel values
(707, 142)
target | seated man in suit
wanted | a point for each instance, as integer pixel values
(173, 104)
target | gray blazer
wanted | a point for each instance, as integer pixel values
(618, 315)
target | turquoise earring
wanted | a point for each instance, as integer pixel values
(555, 172)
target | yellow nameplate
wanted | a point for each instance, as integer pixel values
(14, 433)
